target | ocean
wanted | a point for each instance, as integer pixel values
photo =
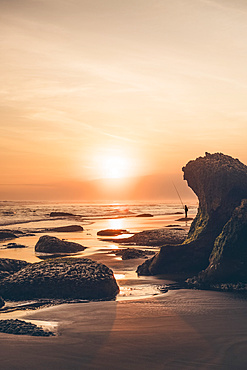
(18, 212)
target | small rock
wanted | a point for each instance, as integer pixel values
(68, 229)
(5, 235)
(112, 232)
(62, 214)
(145, 215)
(14, 245)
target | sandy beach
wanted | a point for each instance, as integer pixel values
(180, 330)
(144, 328)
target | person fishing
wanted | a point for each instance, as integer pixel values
(184, 206)
(186, 210)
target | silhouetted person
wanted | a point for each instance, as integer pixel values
(186, 210)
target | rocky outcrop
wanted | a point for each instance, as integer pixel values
(62, 278)
(51, 244)
(220, 182)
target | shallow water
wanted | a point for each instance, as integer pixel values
(95, 248)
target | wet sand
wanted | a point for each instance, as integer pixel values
(142, 329)
(180, 330)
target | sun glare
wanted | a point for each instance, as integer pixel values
(115, 167)
(115, 223)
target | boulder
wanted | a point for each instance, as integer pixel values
(51, 244)
(62, 278)
(67, 229)
(220, 182)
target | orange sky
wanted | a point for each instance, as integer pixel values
(111, 88)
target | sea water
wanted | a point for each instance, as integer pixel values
(17, 212)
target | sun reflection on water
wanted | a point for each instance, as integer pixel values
(116, 223)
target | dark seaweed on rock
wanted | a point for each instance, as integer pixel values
(220, 182)
(62, 278)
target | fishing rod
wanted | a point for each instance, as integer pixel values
(178, 194)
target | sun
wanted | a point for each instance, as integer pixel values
(114, 163)
(115, 166)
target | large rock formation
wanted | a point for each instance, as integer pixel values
(220, 182)
(228, 260)
(62, 278)
(51, 244)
